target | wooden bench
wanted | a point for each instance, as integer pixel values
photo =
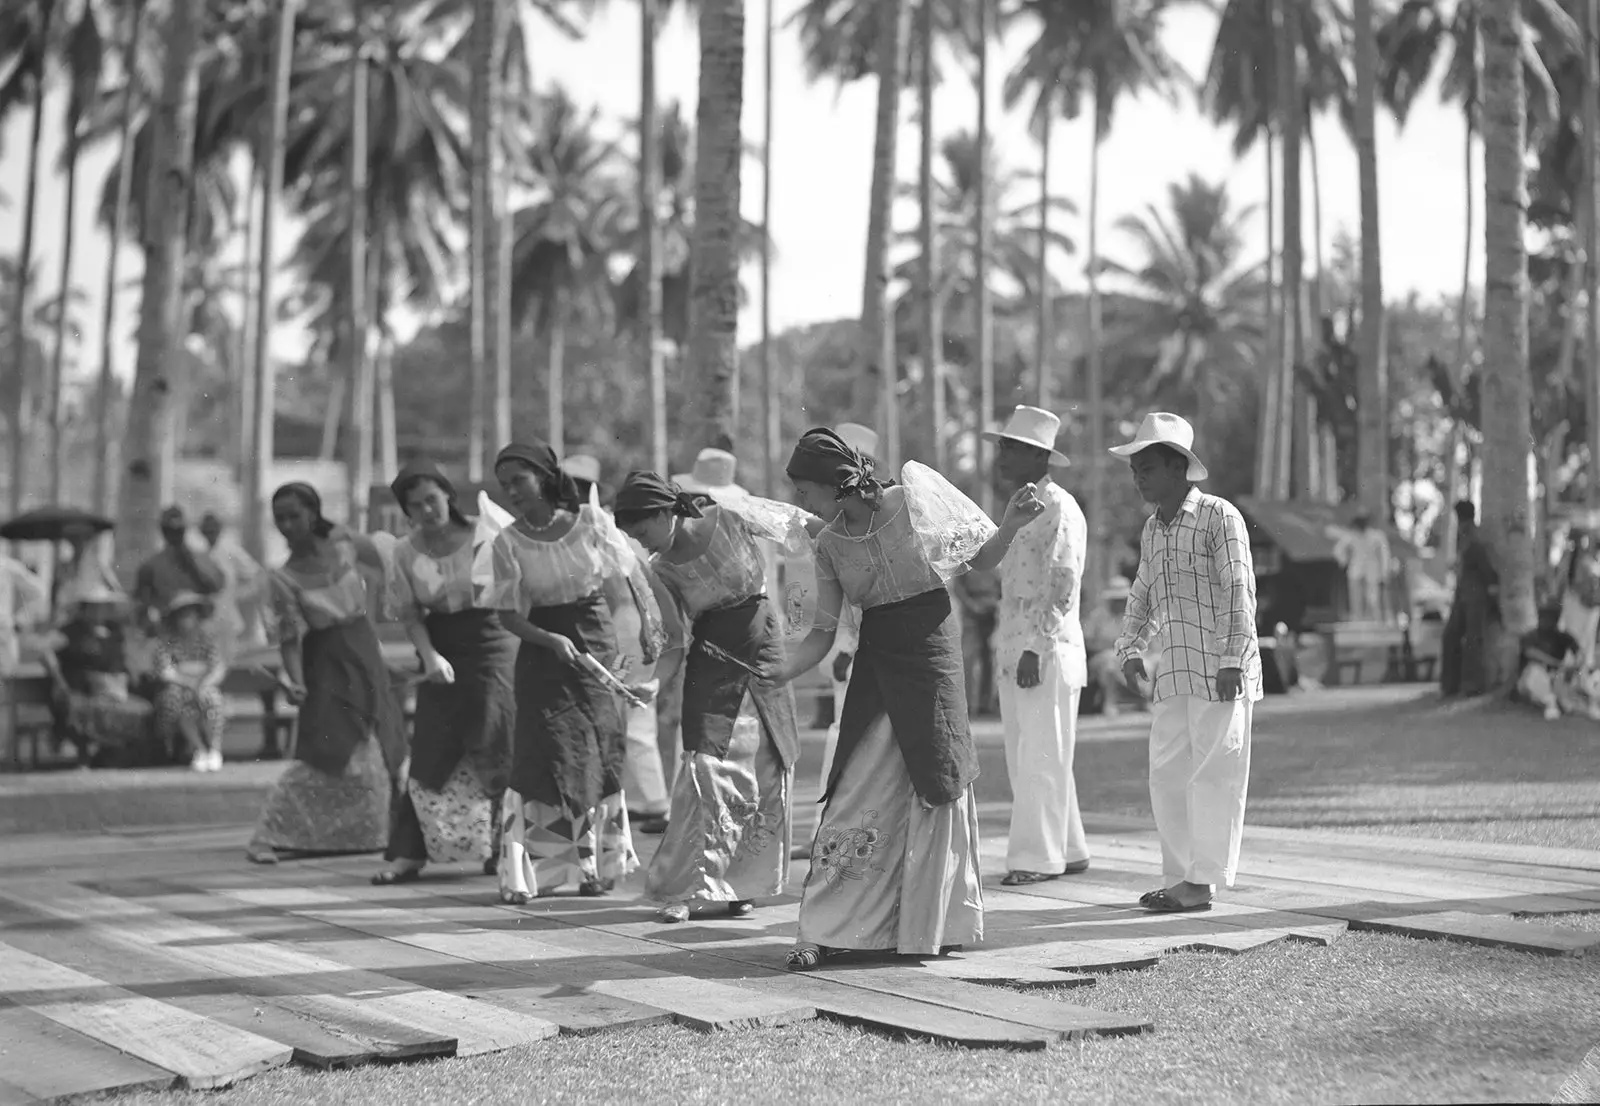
(30, 691)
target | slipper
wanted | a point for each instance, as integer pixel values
(1144, 899)
(397, 875)
(1160, 902)
(1023, 879)
(743, 908)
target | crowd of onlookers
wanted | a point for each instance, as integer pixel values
(135, 675)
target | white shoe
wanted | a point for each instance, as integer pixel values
(1552, 713)
(215, 760)
(200, 763)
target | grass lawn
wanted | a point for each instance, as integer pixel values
(1375, 1018)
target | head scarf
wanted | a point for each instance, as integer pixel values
(822, 457)
(645, 493)
(418, 471)
(559, 488)
(307, 495)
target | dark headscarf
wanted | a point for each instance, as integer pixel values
(822, 457)
(307, 495)
(418, 471)
(559, 488)
(644, 493)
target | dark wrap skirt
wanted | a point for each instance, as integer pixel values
(570, 739)
(348, 696)
(908, 665)
(714, 687)
(473, 717)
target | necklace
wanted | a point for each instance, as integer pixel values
(865, 534)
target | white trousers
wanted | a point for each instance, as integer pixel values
(831, 745)
(1199, 770)
(1041, 732)
(643, 780)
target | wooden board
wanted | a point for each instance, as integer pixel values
(42, 1059)
(327, 987)
(1475, 929)
(1583, 1085)
(1006, 971)
(691, 1001)
(200, 1052)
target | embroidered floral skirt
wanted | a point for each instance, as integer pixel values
(543, 848)
(309, 810)
(729, 834)
(458, 822)
(886, 873)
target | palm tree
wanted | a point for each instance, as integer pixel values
(1506, 383)
(26, 33)
(1372, 444)
(772, 416)
(81, 53)
(982, 308)
(1200, 314)
(147, 479)
(847, 39)
(931, 329)
(103, 488)
(563, 242)
(719, 160)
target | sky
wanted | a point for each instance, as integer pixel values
(822, 168)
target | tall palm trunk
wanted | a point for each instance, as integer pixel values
(359, 472)
(1294, 452)
(714, 287)
(245, 400)
(980, 266)
(1506, 390)
(21, 310)
(1269, 430)
(1590, 220)
(333, 418)
(650, 234)
(932, 325)
(104, 487)
(1461, 368)
(1095, 568)
(874, 388)
(556, 380)
(502, 233)
(1372, 386)
(265, 383)
(388, 439)
(772, 413)
(1324, 437)
(69, 226)
(480, 217)
(1044, 338)
(147, 480)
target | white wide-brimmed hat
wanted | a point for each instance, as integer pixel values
(1032, 426)
(581, 466)
(1172, 431)
(862, 439)
(713, 472)
(1118, 587)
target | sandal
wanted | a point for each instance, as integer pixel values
(515, 898)
(491, 867)
(1163, 902)
(804, 958)
(260, 855)
(396, 875)
(741, 909)
(1144, 899)
(594, 888)
(1023, 879)
(674, 914)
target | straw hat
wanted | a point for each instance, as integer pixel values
(1172, 431)
(1031, 426)
(98, 592)
(1118, 587)
(581, 466)
(862, 439)
(713, 473)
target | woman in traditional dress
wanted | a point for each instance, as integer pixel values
(554, 577)
(460, 760)
(190, 666)
(895, 864)
(728, 836)
(350, 739)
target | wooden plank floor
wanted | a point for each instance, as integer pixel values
(168, 961)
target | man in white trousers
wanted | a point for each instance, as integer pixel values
(1039, 657)
(1196, 594)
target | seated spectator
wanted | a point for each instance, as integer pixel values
(1549, 665)
(1101, 627)
(190, 667)
(92, 705)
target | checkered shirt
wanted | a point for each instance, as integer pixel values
(1195, 597)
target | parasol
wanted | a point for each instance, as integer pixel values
(52, 524)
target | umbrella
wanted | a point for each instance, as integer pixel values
(52, 523)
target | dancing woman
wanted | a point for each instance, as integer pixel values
(554, 577)
(449, 809)
(728, 837)
(895, 863)
(351, 735)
